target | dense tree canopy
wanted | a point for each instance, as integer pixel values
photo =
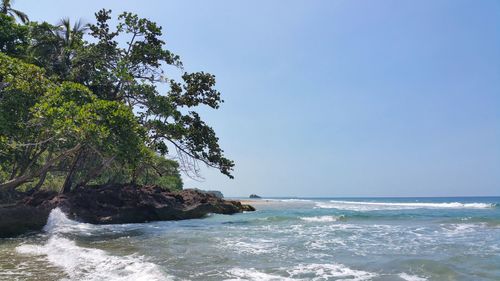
(74, 111)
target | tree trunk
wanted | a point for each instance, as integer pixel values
(39, 183)
(14, 171)
(42, 178)
(134, 175)
(67, 183)
(13, 183)
(97, 171)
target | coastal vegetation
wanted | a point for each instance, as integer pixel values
(93, 104)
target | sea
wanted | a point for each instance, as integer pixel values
(393, 239)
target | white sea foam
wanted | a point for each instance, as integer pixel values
(289, 200)
(89, 264)
(374, 206)
(321, 218)
(296, 200)
(327, 271)
(408, 277)
(249, 246)
(457, 229)
(59, 223)
(312, 272)
(240, 274)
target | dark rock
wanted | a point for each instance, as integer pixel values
(254, 196)
(113, 204)
(216, 193)
(19, 219)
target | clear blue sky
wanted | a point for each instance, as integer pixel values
(339, 98)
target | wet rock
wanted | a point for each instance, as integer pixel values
(20, 219)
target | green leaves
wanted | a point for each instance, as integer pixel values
(198, 89)
(130, 73)
(21, 85)
(6, 9)
(94, 110)
(13, 37)
(39, 116)
(74, 114)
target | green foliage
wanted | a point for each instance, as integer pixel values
(153, 170)
(21, 86)
(72, 114)
(13, 37)
(76, 112)
(158, 170)
(47, 50)
(37, 117)
(6, 9)
(129, 74)
(54, 47)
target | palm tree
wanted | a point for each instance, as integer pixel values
(69, 38)
(55, 45)
(6, 9)
(70, 34)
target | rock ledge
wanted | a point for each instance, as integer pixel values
(113, 204)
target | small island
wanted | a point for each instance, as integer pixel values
(254, 196)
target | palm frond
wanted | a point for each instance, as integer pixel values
(22, 16)
(80, 26)
(64, 26)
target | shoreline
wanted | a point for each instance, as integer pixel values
(255, 201)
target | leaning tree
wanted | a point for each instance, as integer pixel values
(134, 72)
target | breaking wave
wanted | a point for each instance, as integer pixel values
(322, 218)
(80, 263)
(374, 206)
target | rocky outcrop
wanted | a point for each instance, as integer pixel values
(217, 193)
(19, 219)
(254, 196)
(114, 204)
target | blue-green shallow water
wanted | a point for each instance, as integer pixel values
(286, 239)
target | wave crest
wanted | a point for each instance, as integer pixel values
(374, 206)
(322, 218)
(89, 264)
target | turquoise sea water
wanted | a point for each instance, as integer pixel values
(286, 239)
